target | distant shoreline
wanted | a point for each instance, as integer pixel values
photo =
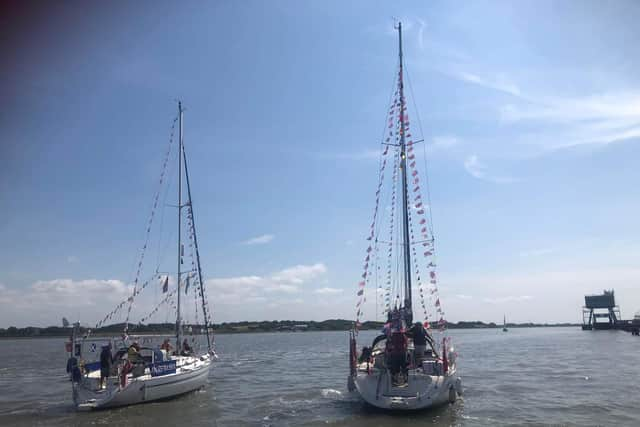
(247, 327)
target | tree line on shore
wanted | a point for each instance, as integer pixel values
(241, 327)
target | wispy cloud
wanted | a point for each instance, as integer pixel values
(592, 119)
(259, 240)
(364, 154)
(479, 170)
(499, 82)
(444, 142)
(536, 252)
(285, 281)
(421, 33)
(508, 298)
(328, 291)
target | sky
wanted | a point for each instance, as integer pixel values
(530, 115)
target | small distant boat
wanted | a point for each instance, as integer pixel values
(407, 367)
(156, 372)
(504, 324)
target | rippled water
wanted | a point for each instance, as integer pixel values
(560, 376)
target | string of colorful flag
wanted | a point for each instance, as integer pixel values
(167, 298)
(366, 277)
(419, 226)
(156, 198)
(118, 307)
(199, 289)
(389, 273)
(427, 241)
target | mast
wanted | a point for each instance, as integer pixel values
(405, 196)
(180, 142)
(195, 244)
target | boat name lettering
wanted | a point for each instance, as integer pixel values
(163, 368)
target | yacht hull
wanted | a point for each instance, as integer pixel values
(146, 388)
(420, 392)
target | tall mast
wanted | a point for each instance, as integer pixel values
(178, 319)
(205, 310)
(405, 196)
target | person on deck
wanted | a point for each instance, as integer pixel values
(133, 353)
(420, 338)
(186, 348)
(396, 349)
(166, 346)
(106, 360)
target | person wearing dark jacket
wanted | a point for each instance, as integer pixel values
(106, 360)
(420, 338)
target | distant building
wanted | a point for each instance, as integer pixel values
(600, 311)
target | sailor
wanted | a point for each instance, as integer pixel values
(420, 338)
(396, 349)
(133, 353)
(186, 348)
(106, 359)
(166, 346)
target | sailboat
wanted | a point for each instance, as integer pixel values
(407, 366)
(141, 370)
(504, 324)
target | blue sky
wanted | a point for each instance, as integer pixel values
(531, 116)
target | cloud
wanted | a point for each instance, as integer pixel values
(592, 119)
(300, 273)
(259, 240)
(474, 167)
(462, 296)
(478, 170)
(364, 154)
(444, 142)
(421, 33)
(72, 259)
(536, 252)
(328, 291)
(285, 281)
(46, 301)
(509, 298)
(500, 82)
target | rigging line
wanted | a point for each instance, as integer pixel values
(161, 251)
(206, 312)
(424, 149)
(149, 225)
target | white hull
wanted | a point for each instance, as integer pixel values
(420, 392)
(191, 374)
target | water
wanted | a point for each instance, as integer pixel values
(560, 376)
